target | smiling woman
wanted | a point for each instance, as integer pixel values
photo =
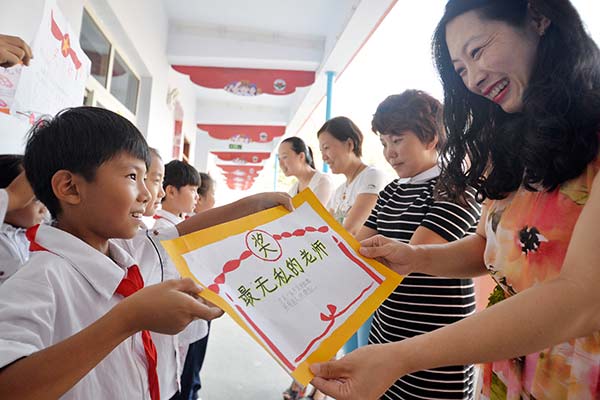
(296, 159)
(522, 115)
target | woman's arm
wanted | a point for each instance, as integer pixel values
(547, 314)
(359, 212)
(459, 259)
(364, 233)
(324, 189)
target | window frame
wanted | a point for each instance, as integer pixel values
(100, 95)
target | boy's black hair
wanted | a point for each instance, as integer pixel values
(78, 140)
(11, 166)
(179, 174)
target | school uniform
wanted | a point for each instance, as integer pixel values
(164, 219)
(146, 249)
(193, 339)
(165, 228)
(64, 287)
(14, 246)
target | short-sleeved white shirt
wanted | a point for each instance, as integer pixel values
(59, 292)
(164, 218)
(14, 246)
(369, 181)
(14, 250)
(155, 267)
(198, 329)
(321, 184)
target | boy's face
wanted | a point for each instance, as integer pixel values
(182, 200)
(154, 183)
(207, 202)
(112, 205)
(28, 216)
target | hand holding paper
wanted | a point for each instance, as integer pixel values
(293, 280)
(167, 307)
(398, 256)
(364, 374)
(13, 50)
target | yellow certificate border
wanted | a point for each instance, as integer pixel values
(329, 346)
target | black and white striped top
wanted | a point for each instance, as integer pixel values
(423, 303)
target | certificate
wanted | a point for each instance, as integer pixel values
(293, 280)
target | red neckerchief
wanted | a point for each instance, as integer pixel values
(128, 286)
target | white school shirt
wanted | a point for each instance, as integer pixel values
(164, 218)
(197, 329)
(14, 246)
(155, 267)
(370, 181)
(59, 292)
(321, 184)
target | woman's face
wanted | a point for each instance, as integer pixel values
(289, 161)
(407, 154)
(494, 59)
(336, 153)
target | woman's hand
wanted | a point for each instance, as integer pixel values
(364, 374)
(398, 256)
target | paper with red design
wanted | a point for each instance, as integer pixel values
(56, 76)
(294, 281)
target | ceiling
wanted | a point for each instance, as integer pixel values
(263, 63)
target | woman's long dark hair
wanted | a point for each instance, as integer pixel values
(555, 136)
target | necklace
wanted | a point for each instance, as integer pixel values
(349, 180)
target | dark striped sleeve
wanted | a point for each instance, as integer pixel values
(450, 220)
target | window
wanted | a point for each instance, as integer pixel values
(97, 47)
(124, 85)
(112, 84)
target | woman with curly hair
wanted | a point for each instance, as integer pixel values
(522, 105)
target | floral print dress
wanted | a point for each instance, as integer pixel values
(528, 234)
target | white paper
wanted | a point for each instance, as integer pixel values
(332, 279)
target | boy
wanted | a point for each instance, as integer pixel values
(180, 184)
(181, 193)
(14, 246)
(73, 319)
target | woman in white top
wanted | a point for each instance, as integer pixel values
(340, 142)
(296, 159)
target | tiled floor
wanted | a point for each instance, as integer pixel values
(238, 368)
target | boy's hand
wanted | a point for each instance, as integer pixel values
(13, 50)
(20, 193)
(167, 307)
(263, 201)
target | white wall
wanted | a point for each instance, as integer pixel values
(138, 29)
